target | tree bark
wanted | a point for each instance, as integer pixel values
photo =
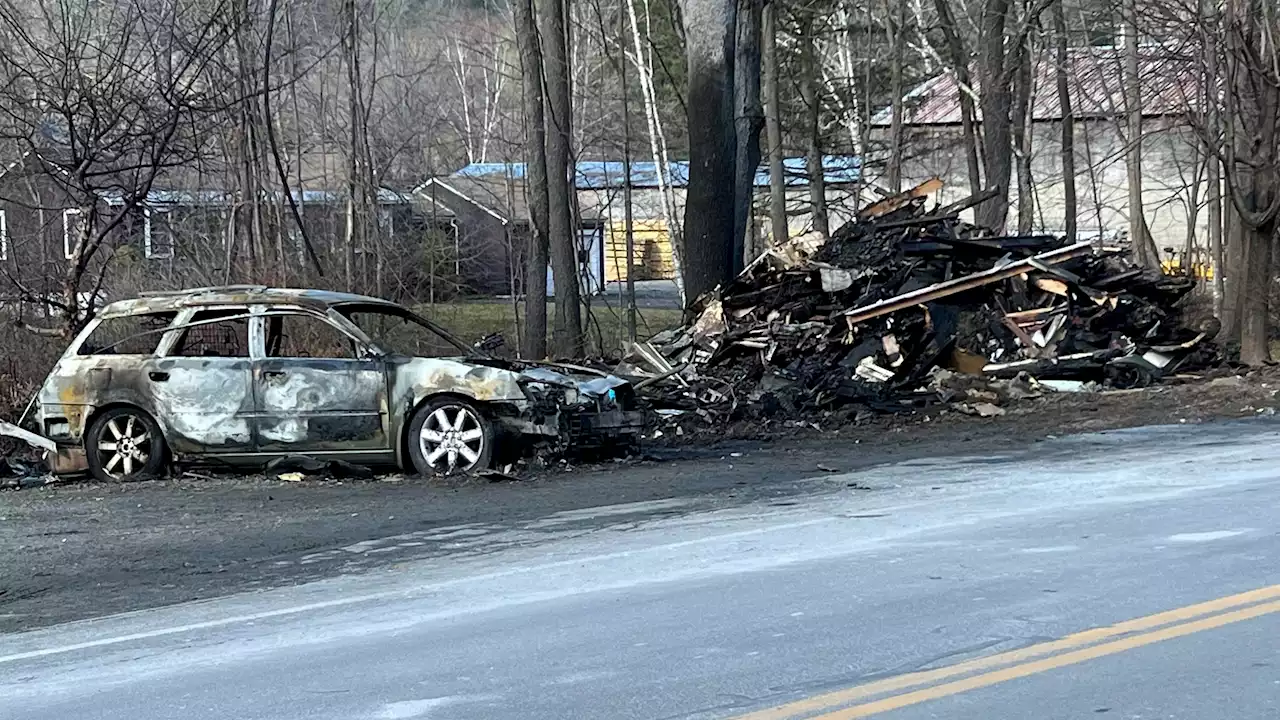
(1234, 283)
(773, 123)
(1216, 263)
(1069, 202)
(1022, 142)
(813, 111)
(534, 338)
(567, 333)
(709, 207)
(997, 102)
(748, 122)
(893, 172)
(1256, 303)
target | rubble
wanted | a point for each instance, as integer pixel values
(908, 307)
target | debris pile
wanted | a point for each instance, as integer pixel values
(873, 316)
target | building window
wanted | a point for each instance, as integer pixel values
(4, 236)
(157, 235)
(72, 219)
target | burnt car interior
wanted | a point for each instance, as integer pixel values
(403, 333)
(304, 336)
(128, 335)
(215, 333)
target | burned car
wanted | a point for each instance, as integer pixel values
(245, 375)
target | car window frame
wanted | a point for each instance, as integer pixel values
(365, 349)
(183, 322)
(75, 348)
(337, 312)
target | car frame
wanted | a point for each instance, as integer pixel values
(126, 415)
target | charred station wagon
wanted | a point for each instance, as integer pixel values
(247, 374)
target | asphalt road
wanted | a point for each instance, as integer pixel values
(964, 587)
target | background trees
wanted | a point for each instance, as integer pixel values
(269, 100)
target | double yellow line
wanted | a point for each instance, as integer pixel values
(910, 689)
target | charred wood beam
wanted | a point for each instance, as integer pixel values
(961, 284)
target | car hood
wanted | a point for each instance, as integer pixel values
(584, 379)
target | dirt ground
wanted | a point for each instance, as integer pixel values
(77, 550)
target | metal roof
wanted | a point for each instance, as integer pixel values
(1168, 83)
(237, 295)
(605, 174)
(218, 198)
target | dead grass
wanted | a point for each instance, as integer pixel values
(606, 326)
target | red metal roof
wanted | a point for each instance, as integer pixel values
(1169, 83)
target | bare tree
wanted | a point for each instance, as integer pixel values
(1142, 245)
(748, 121)
(1023, 109)
(1252, 160)
(657, 143)
(773, 124)
(1061, 70)
(710, 31)
(812, 128)
(104, 99)
(958, 56)
(535, 274)
(898, 34)
(567, 332)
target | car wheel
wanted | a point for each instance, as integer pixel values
(450, 436)
(124, 444)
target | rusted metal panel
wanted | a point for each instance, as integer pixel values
(67, 461)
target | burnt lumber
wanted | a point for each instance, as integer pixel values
(903, 296)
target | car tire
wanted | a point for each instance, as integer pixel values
(124, 444)
(450, 436)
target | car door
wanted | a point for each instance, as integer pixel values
(317, 390)
(200, 382)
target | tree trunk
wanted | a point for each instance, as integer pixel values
(1256, 304)
(748, 122)
(708, 216)
(658, 149)
(959, 58)
(997, 102)
(893, 172)
(1069, 202)
(628, 219)
(1141, 244)
(534, 338)
(1022, 142)
(1234, 282)
(1217, 266)
(813, 111)
(567, 334)
(1213, 174)
(773, 123)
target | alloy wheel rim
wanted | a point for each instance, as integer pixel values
(451, 439)
(125, 444)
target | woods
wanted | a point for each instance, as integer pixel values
(344, 144)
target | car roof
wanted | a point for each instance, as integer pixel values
(237, 295)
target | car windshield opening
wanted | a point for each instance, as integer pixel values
(403, 333)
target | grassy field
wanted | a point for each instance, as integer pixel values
(606, 326)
